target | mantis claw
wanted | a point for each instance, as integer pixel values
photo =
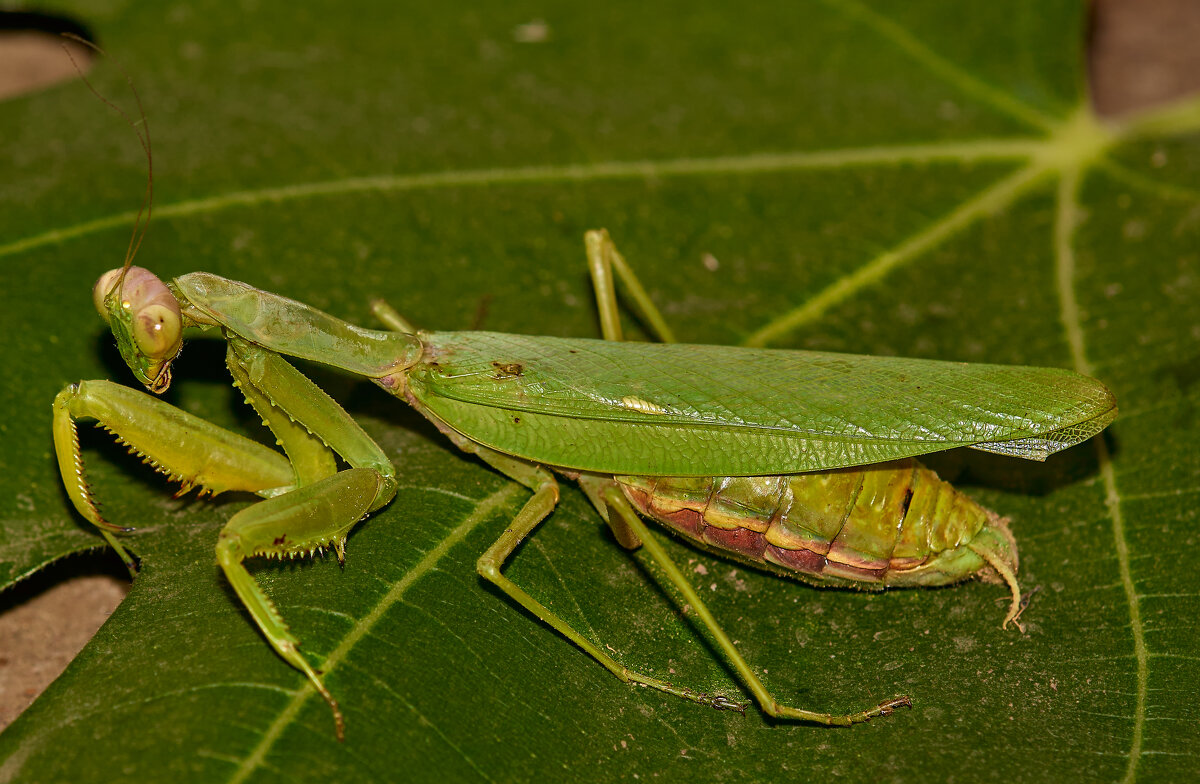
(724, 703)
(888, 707)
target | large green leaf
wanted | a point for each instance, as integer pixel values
(917, 179)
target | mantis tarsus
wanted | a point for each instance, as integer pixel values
(797, 462)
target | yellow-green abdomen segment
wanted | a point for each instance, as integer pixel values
(892, 524)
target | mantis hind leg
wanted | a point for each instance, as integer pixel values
(622, 516)
(627, 527)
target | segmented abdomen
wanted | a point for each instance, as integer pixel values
(888, 524)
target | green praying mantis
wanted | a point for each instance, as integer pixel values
(796, 462)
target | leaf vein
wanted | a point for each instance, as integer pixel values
(991, 200)
(363, 627)
(761, 163)
(1068, 212)
(949, 72)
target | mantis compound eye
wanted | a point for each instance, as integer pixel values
(101, 290)
(157, 330)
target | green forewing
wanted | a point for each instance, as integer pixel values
(680, 410)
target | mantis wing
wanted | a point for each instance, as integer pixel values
(684, 410)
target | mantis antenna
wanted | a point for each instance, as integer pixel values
(140, 226)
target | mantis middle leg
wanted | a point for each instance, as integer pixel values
(539, 506)
(535, 510)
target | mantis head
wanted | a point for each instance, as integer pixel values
(145, 319)
(143, 313)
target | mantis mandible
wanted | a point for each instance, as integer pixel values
(797, 462)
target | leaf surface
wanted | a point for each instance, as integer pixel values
(910, 180)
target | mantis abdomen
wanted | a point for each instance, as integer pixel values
(871, 526)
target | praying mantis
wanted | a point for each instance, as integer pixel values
(799, 463)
